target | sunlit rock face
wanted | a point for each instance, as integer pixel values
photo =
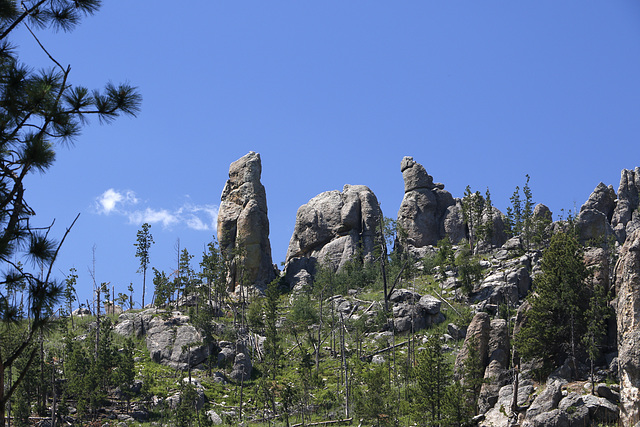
(628, 318)
(626, 217)
(243, 225)
(332, 228)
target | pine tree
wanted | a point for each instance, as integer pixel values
(144, 240)
(433, 375)
(556, 319)
(39, 110)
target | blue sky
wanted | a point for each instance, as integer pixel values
(332, 93)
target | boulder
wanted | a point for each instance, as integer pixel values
(134, 325)
(332, 228)
(625, 217)
(542, 212)
(477, 335)
(627, 275)
(430, 304)
(546, 401)
(81, 312)
(588, 409)
(172, 342)
(213, 416)
(242, 368)
(404, 295)
(243, 225)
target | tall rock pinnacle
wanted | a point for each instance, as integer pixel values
(243, 225)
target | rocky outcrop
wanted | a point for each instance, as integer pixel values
(243, 226)
(602, 199)
(628, 318)
(429, 213)
(476, 341)
(626, 217)
(496, 374)
(424, 207)
(331, 229)
(175, 343)
(413, 312)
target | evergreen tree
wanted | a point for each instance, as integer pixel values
(596, 317)
(213, 273)
(556, 320)
(433, 374)
(144, 240)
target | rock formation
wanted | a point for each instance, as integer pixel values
(424, 207)
(628, 316)
(626, 217)
(331, 228)
(243, 226)
(429, 213)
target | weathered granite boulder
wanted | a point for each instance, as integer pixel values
(478, 333)
(542, 212)
(454, 225)
(413, 312)
(496, 374)
(175, 343)
(587, 409)
(134, 324)
(424, 207)
(545, 402)
(242, 368)
(498, 415)
(628, 318)
(331, 229)
(626, 217)
(243, 225)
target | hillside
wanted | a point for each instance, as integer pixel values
(454, 313)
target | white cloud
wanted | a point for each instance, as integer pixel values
(153, 216)
(196, 217)
(109, 200)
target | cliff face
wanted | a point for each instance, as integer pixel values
(243, 225)
(628, 319)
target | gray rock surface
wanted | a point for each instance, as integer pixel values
(172, 343)
(243, 225)
(603, 199)
(242, 368)
(625, 217)
(331, 228)
(593, 226)
(546, 401)
(478, 333)
(628, 319)
(424, 207)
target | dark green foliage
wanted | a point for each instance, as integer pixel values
(520, 219)
(187, 411)
(90, 376)
(433, 376)
(556, 320)
(478, 217)
(469, 269)
(213, 273)
(163, 288)
(596, 317)
(272, 347)
(144, 240)
(372, 396)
